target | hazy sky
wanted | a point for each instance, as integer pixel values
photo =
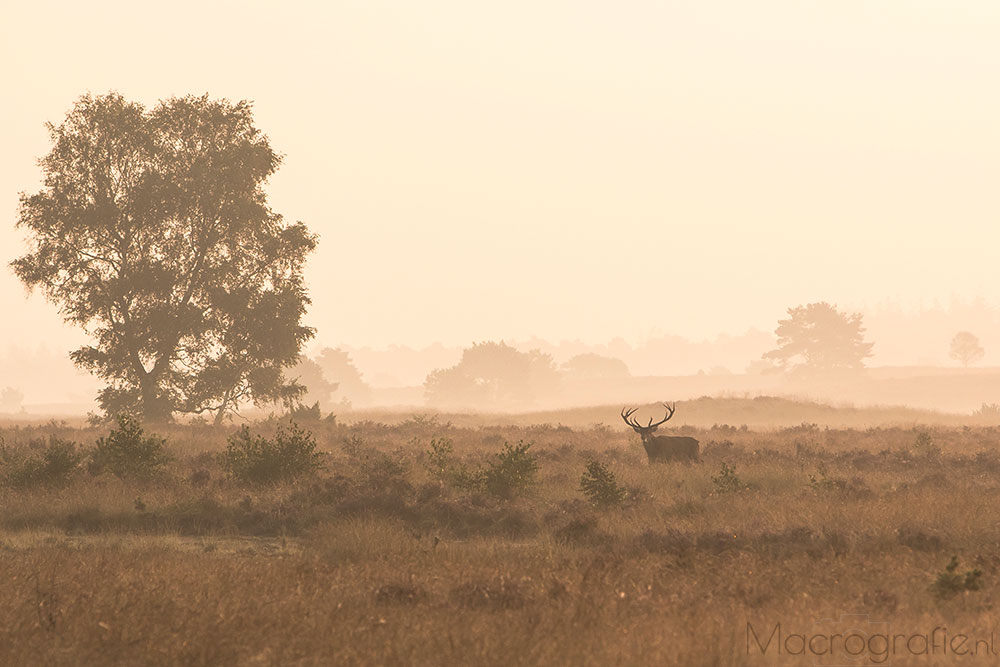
(565, 169)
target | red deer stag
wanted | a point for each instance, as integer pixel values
(662, 447)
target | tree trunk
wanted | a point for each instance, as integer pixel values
(154, 408)
(221, 414)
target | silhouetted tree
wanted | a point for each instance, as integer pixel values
(818, 338)
(493, 375)
(310, 375)
(338, 368)
(152, 232)
(966, 349)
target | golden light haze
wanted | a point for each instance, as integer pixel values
(647, 332)
(565, 169)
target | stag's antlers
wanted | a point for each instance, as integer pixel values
(627, 416)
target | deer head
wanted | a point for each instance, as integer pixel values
(646, 432)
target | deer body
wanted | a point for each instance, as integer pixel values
(662, 448)
(670, 448)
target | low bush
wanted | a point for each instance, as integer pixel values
(54, 465)
(727, 481)
(384, 474)
(951, 582)
(440, 463)
(599, 485)
(925, 447)
(304, 412)
(254, 459)
(128, 452)
(511, 472)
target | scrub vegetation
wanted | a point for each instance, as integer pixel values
(399, 539)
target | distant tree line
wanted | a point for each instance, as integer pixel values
(152, 232)
(331, 380)
(496, 375)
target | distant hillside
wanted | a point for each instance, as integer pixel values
(955, 390)
(756, 413)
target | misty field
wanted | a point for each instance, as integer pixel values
(431, 540)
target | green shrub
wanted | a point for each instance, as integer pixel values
(950, 582)
(600, 487)
(727, 480)
(424, 424)
(924, 446)
(822, 481)
(382, 473)
(304, 412)
(511, 472)
(438, 459)
(355, 446)
(53, 466)
(441, 464)
(254, 459)
(128, 452)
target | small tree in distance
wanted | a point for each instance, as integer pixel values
(965, 348)
(817, 338)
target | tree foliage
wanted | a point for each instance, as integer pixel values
(495, 375)
(599, 484)
(254, 459)
(337, 367)
(818, 338)
(153, 233)
(129, 452)
(309, 374)
(965, 348)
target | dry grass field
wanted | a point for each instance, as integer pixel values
(784, 545)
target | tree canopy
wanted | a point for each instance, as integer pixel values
(339, 368)
(153, 233)
(317, 389)
(818, 338)
(493, 375)
(965, 348)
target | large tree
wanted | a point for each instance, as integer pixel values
(153, 233)
(817, 338)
